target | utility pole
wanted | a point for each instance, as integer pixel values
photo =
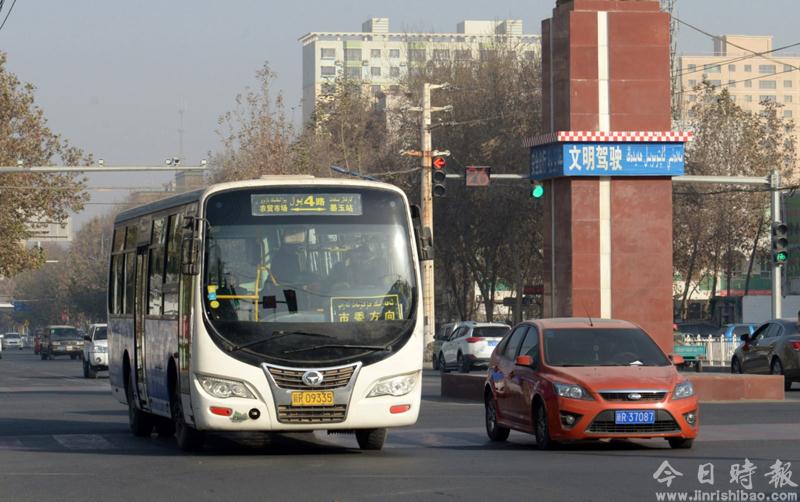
(774, 184)
(426, 199)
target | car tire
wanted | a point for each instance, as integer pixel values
(495, 432)
(776, 368)
(73, 356)
(371, 439)
(85, 369)
(462, 363)
(680, 443)
(187, 437)
(736, 366)
(90, 371)
(435, 363)
(140, 422)
(442, 364)
(43, 356)
(541, 429)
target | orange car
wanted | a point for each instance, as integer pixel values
(576, 379)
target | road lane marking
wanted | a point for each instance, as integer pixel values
(82, 441)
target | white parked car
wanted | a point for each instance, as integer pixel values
(12, 341)
(470, 345)
(95, 350)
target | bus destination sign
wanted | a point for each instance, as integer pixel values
(328, 204)
(366, 308)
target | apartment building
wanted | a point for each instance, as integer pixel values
(380, 59)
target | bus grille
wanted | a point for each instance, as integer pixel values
(604, 424)
(293, 379)
(312, 415)
(645, 396)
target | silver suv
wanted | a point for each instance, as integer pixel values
(95, 350)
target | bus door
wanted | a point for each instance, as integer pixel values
(140, 308)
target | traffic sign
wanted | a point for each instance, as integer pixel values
(478, 176)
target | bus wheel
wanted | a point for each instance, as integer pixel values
(139, 421)
(165, 427)
(187, 437)
(371, 439)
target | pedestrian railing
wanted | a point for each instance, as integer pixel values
(719, 350)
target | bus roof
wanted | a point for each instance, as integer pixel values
(270, 180)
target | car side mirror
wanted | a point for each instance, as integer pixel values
(745, 338)
(524, 361)
(677, 359)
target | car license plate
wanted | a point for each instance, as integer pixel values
(492, 343)
(312, 398)
(70, 348)
(635, 417)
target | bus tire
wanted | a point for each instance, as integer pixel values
(371, 439)
(90, 371)
(140, 422)
(187, 437)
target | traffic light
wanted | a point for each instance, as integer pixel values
(439, 177)
(537, 189)
(780, 243)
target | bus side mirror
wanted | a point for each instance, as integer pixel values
(423, 236)
(190, 252)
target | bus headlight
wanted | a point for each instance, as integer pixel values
(223, 388)
(399, 385)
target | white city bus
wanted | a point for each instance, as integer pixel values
(279, 304)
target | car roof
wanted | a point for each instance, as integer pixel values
(580, 322)
(60, 326)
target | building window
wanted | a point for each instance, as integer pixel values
(462, 54)
(748, 99)
(692, 67)
(748, 67)
(692, 84)
(733, 99)
(353, 72)
(767, 68)
(375, 71)
(394, 53)
(375, 53)
(766, 99)
(692, 98)
(416, 55)
(394, 88)
(375, 90)
(327, 71)
(394, 71)
(715, 83)
(712, 68)
(787, 83)
(731, 67)
(767, 84)
(788, 67)
(787, 99)
(352, 54)
(441, 54)
(327, 53)
(732, 84)
(748, 83)
(787, 114)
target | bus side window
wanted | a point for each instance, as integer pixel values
(172, 274)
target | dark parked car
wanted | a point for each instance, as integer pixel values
(61, 341)
(774, 348)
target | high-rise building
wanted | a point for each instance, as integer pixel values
(381, 59)
(751, 72)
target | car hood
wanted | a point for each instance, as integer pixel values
(622, 377)
(100, 343)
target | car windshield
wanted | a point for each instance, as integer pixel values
(11, 336)
(64, 334)
(490, 331)
(100, 333)
(601, 347)
(338, 262)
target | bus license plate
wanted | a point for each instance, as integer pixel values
(635, 417)
(492, 343)
(312, 398)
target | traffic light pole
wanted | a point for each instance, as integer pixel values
(426, 198)
(774, 184)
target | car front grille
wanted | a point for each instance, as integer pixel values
(293, 379)
(604, 424)
(312, 415)
(625, 396)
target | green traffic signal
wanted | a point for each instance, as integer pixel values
(781, 257)
(538, 191)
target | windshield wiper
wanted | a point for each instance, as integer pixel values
(339, 346)
(275, 335)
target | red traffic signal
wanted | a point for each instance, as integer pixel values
(439, 163)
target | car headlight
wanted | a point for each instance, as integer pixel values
(224, 388)
(399, 385)
(100, 350)
(572, 391)
(683, 390)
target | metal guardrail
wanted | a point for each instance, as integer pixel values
(719, 350)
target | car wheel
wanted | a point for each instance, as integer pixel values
(165, 427)
(435, 363)
(736, 366)
(370, 439)
(541, 429)
(776, 368)
(140, 422)
(680, 443)
(73, 356)
(493, 430)
(463, 364)
(43, 356)
(187, 437)
(85, 369)
(442, 364)
(90, 372)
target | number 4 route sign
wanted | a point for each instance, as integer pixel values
(478, 176)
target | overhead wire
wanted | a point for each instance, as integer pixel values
(10, 8)
(686, 71)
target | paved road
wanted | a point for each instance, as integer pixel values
(63, 438)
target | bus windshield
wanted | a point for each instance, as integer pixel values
(329, 261)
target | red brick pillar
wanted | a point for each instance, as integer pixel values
(606, 68)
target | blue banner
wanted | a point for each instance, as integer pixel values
(606, 159)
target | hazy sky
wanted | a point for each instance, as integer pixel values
(111, 74)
